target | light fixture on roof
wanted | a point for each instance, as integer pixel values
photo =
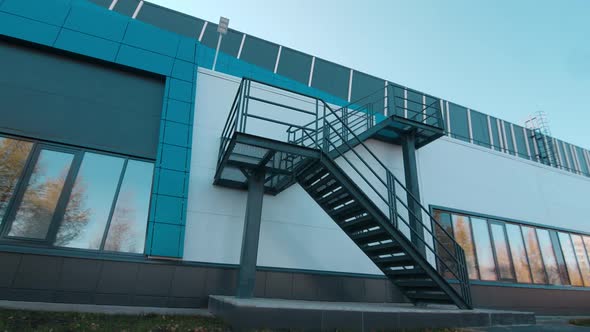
(222, 29)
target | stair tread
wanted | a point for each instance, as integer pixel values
(370, 236)
(358, 224)
(389, 260)
(383, 248)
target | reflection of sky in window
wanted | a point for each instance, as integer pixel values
(570, 259)
(128, 225)
(483, 248)
(92, 195)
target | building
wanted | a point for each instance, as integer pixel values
(127, 162)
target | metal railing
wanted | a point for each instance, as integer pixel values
(336, 134)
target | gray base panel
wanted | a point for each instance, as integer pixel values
(274, 313)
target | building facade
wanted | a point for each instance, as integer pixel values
(114, 188)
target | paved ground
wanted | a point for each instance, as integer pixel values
(544, 324)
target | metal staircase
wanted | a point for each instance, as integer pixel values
(269, 129)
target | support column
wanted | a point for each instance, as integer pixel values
(411, 176)
(251, 235)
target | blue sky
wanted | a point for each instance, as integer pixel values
(504, 58)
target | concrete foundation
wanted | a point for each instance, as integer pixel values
(276, 313)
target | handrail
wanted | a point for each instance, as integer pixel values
(337, 131)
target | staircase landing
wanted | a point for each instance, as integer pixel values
(258, 313)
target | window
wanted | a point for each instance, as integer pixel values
(582, 258)
(570, 259)
(505, 251)
(549, 257)
(483, 249)
(36, 210)
(13, 156)
(519, 256)
(462, 233)
(67, 197)
(501, 250)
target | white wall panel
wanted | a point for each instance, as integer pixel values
(467, 177)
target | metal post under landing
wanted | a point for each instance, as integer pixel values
(411, 176)
(249, 255)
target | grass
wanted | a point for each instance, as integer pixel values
(580, 322)
(26, 321)
(19, 320)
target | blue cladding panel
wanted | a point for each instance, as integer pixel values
(183, 70)
(174, 157)
(171, 183)
(169, 20)
(146, 60)
(169, 237)
(509, 144)
(583, 164)
(179, 111)
(186, 49)
(479, 128)
(27, 29)
(168, 209)
(87, 45)
(520, 142)
(294, 65)
(260, 52)
(181, 90)
(459, 122)
(176, 134)
(126, 7)
(570, 157)
(94, 21)
(51, 12)
(151, 38)
(370, 88)
(330, 77)
(495, 134)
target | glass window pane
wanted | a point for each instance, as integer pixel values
(517, 249)
(462, 233)
(13, 155)
(570, 259)
(129, 222)
(502, 255)
(582, 258)
(445, 241)
(483, 248)
(548, 257)
(36, 209)
(534, 254)
(90, 202)
(587, 245)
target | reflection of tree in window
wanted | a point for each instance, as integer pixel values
(443, 242)
(534, 253)
(582, 258)
(89, 205)
(519, 258)
(35, 212)
(13, 155)
(549, 257)
(501, 249)
(122, 236)
(463, 237)
(483, 248)
(128, 225)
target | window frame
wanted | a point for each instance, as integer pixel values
(555, 246)
(78, 154)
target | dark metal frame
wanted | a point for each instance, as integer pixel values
(330, 135)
